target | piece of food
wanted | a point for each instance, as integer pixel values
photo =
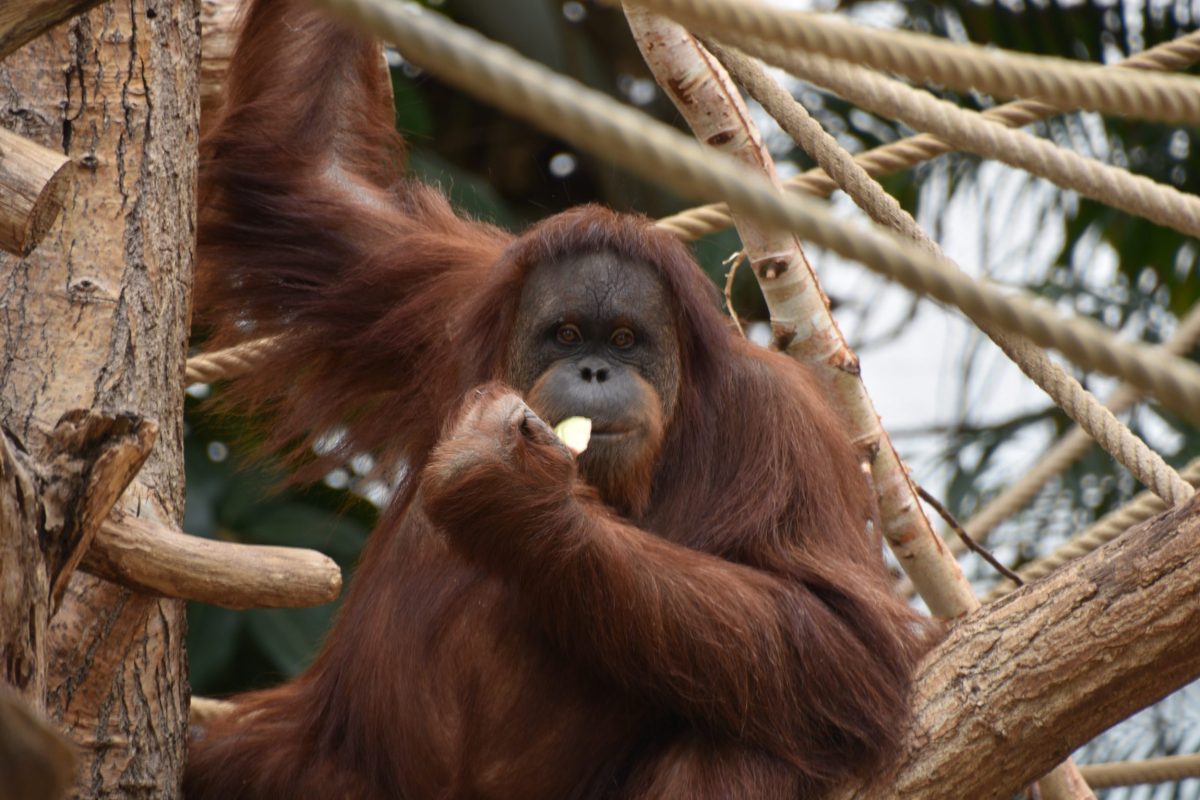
(575, 433)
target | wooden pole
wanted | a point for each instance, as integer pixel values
(24, 580)
(97, 319)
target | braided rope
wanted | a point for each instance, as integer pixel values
(1135, 194)
(1101, 424)
(204, 710)
(1069, 449)
(601, 125)
(906, 153)
(1104, 530)
(1059, 82)
(1152, 770)
(1080, 405)
(230, 362)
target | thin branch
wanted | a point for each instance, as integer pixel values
(971, 544)
(733, 262)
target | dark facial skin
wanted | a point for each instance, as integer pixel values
(594, 338)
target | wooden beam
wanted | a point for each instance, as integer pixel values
(155, 559)
(33, 184)
(22, 21)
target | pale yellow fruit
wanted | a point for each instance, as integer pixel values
(575, 433)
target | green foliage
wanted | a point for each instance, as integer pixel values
(233, 500)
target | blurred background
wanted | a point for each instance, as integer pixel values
(961, 415)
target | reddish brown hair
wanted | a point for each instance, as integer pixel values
(739, 637)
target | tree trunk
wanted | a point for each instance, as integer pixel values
(97, 319)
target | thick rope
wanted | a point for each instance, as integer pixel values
(1152, 770)
(206, 709)
(1069, 449)
(228, 363)
(968, 130)
(1104, 530)
(1113, 435)
(603, 126)
(1059, 82)
(903, 154)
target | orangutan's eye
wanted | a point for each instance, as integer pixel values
(569, 335)
(622, 339)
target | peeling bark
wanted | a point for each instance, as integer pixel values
(90, 461)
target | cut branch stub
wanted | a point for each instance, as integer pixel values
(22, 21)
(90, 459)
(33, 184)
(153, 559)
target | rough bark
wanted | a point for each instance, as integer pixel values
(97, 319)
(86, 466)
(1021, 683)
(51, 505)
(24, 582)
